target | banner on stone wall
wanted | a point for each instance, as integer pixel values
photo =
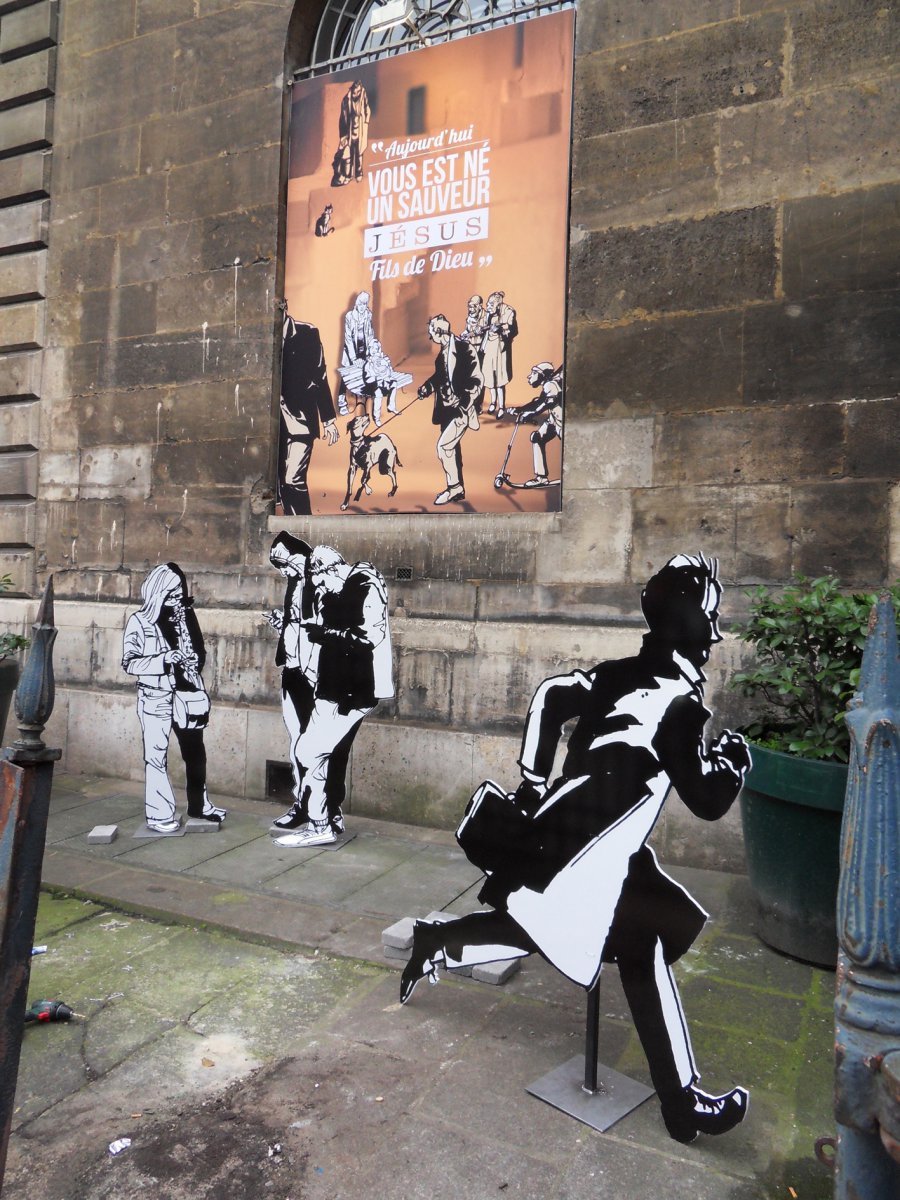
(425, 279)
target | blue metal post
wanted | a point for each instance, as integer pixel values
(867, 1004)
(26, 775)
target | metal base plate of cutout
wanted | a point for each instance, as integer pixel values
(339, 843)
(144, 831)
(616, 1097)
(195, 825)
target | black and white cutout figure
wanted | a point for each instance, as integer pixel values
(353, 671)
(568, 870)
(323, 221)
(307, 412)
(163, 648)
(353, 133)
(500, 329)
(548, 405)
(456, 386)
(296, 654)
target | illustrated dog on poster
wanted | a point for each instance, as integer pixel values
(368, 451)
(568, 870)
(163, 648)
(336, 616)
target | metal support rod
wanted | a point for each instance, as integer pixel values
(592, 1039)
(867, 1003)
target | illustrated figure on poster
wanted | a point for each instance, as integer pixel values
(163, 649)
(500, 330)
(381, 382)
(548, 406)
(368, 451)
(353, 134)
(307, 412)
(323, 221)
(456, 385)
(360, 344)
(569, 873)
(474, 330)
(351, 672)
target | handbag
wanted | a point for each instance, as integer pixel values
(495, 834)
(190, 710)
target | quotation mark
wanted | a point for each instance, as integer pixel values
(485, 260)
(376, 146)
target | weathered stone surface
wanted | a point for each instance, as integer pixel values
(243, 64)
(87, 534)
(217, 353)
(825, 523)
(225, 126)
(93, 24)
(96, 159)
(24, 226)
(23, 327)
(152, 253)
(133, 203)
(717, 261)
(708, 69)
(26, 127)
(689, 519)
(620, 21)
(24, 80)
(116, 471)
(221, 463)
(19, 565)
(206, 531)
(24, 177)
(249, 236)
(799, 147)
(764, 446)
(28, 30)
(617, 454)
(23, 277)
(238, 295)
(658, 171)
(160, 14)
(835, 41)
(89, 265)
(19, 425)
(224, 184)
(594, 547)
(844, 243)
(762, 539)
(826, 349)
(18, 474)
(652, 366)
(17, 523)
(873, 439)
(894, 536)
(122, 313)
(20, 376)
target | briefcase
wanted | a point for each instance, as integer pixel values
(495, 833)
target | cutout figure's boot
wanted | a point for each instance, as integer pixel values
(215, 816)
(292, 819)
(689, 1112)
(427, 956)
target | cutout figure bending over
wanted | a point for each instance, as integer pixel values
(336, 638)
(568, 872)
(163, 648)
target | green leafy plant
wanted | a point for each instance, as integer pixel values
(808, 642)
(10, 643)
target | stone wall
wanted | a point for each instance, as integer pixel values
(732, 374)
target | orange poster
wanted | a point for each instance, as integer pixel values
(425, 279)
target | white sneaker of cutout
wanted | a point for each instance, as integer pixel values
(308, 837)
(164, 826)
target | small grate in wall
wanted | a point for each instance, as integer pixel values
(404, 573)
(279, 781)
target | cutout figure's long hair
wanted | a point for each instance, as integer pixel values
(155, 588)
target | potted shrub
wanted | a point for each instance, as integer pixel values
(808, 642)
(10, 645)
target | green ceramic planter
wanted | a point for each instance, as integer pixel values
(792, 810)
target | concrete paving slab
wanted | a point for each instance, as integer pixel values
(333, 879)
(193, 851)
(77, 821)
(252, 863)
(437, 876)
